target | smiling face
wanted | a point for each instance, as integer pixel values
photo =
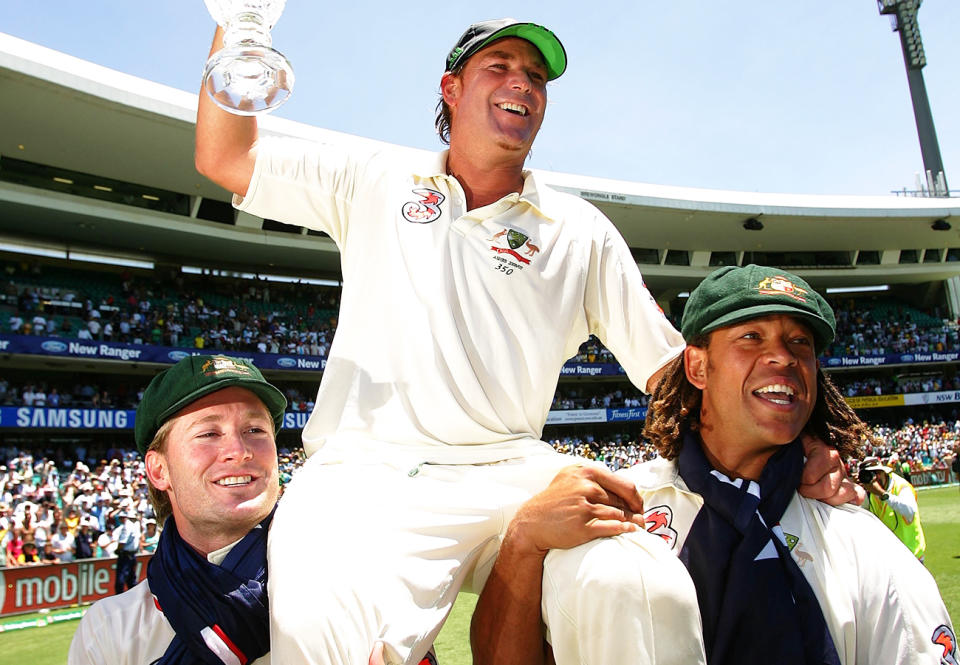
(497, 100)
(218, 467)
(759, 383)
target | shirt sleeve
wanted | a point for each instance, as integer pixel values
(304, 183)
(623, 314)
(901, 618)
(91, 643)
(904, 503)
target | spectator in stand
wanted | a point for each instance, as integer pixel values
(86, 537)
(14, 548)
(128, 543)
(150, 537)
(63, 543)
(29, 556)
(47, 555)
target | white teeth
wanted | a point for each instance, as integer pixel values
(776, 388)
(234, 480)
(515, 108)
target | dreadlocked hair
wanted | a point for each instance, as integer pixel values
(836, 423)
(675, 407)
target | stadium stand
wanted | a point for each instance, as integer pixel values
(117, 259)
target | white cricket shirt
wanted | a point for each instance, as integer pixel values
(879, 602)
(453, 325)
(129, 628)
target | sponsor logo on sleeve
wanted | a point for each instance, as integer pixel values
(658, 521)
(945, 638)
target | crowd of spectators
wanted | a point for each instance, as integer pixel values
(880, 327)
(861, 386)
(569, 395)
(173, 308)
(178, 310)
(597, 396)
(54, 509)
(67, 394)
(119, 395)
(618, 451)
(57, 512)
(922, 445)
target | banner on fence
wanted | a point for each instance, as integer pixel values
(33, 588)
(874, 401)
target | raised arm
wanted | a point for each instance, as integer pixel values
(226, 149)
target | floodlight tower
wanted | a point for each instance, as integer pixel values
(903, 14)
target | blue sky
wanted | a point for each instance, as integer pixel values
(807, 96)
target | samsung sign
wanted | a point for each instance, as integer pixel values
(38, 417)
(62, 418)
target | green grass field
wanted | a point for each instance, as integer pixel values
(939, 508)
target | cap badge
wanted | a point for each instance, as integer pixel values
(221, 364)
(781, 286)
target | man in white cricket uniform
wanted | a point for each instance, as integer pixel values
(467, 284)
(206, 427)
(779, 578)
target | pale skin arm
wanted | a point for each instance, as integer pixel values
(581, 504)
(226, 149)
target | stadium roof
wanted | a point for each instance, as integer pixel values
(68, 116)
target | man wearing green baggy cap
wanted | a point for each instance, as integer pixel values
(779, 578)
(466, 286)
(206, 428)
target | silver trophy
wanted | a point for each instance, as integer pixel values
(247, 76)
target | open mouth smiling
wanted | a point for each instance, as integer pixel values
(234, 481)
(777, 393)
(516, 109)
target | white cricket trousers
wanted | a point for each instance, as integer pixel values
(361, 552)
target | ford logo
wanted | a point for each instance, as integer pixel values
(833, 362)
(53, 346)
(907, 357)
(286, 362)
(177, 356)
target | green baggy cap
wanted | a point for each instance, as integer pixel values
(731, 295)
(192, 378)
(481, 34)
